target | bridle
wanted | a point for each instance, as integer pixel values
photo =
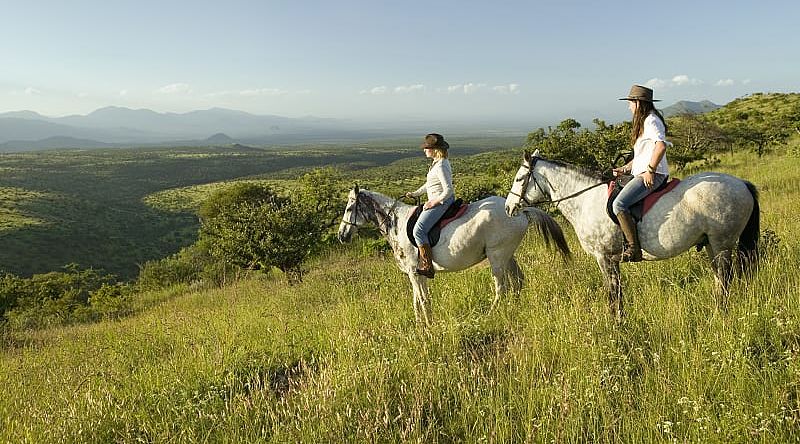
(355, 209)
(530, 176)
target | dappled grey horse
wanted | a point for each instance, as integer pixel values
(484, 231)
(713, 210)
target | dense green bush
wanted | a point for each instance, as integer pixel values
(59, 298)
(251, 226)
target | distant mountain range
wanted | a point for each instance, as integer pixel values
(124, 127)
(687, 107)
(117, 126)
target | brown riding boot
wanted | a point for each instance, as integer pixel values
(425, 263)
(634, 251)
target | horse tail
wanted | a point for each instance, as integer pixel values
(748, 239)
(549, 229)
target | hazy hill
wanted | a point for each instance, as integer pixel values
(687, 107)
(24, 130)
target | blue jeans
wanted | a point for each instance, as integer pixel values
(427, 219)
(635, 191)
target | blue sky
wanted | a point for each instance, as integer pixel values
(526, 61)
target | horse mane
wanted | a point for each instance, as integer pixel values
(376, 208)
(578, 169)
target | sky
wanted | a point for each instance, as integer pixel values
(523, 61)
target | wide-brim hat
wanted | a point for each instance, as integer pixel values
(639, 92)
(434, 141)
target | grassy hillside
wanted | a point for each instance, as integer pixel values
(779, 107)
(339, 358)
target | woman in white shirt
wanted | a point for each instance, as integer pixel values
(439, 188)
(649, 165)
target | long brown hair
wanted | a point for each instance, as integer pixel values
(643, 109)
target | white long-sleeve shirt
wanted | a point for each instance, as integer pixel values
(652, 132)
(438, 182)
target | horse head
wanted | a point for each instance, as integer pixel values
(522, 194)
(353, 216)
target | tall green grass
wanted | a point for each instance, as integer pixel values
(339, 357)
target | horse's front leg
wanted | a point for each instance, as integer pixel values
(612, 280)
(422, 304)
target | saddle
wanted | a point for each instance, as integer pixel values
(453, 212)
(639, 209)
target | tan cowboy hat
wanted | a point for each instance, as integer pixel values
(639, 92)
(435, 141)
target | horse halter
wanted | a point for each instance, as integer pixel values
(526, 182)
(354, 210)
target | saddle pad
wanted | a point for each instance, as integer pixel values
(453, 212)
(639, 209)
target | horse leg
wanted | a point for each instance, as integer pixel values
(516, 277)
(612, 279)
(722, 264)
(422, 304)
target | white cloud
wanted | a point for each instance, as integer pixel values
(31, 91)
(678, 80)
(683, 79)
(472, 88)
(511, 88)
(655, 83)
(262, 92)
(746, 81)
(376, 91)
(175, 88)
(467, 88)
(409, 89)
(725, 82)
(123, 93)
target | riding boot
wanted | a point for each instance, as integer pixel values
(425, 263)
(633, 252)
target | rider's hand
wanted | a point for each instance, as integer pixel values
(647, 178)
(429, 204)
(409, 195)
(619, 171)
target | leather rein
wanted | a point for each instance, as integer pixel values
(530, 176)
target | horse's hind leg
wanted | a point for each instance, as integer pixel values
(722, 264)
(507, 277)
(516, 278)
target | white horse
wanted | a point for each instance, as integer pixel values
(484, 231)
(714, 210)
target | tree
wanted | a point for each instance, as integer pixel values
(694, 138)
(759, 130)
(253, 227)
(595, 150)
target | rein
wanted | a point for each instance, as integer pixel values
(530, 176)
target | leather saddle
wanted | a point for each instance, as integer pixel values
(453, 212)
(639, 209)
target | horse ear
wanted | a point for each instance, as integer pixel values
(355, 188)
(526, 155)
(535, 153)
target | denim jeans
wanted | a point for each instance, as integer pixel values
(635, 191)
(428, 219)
